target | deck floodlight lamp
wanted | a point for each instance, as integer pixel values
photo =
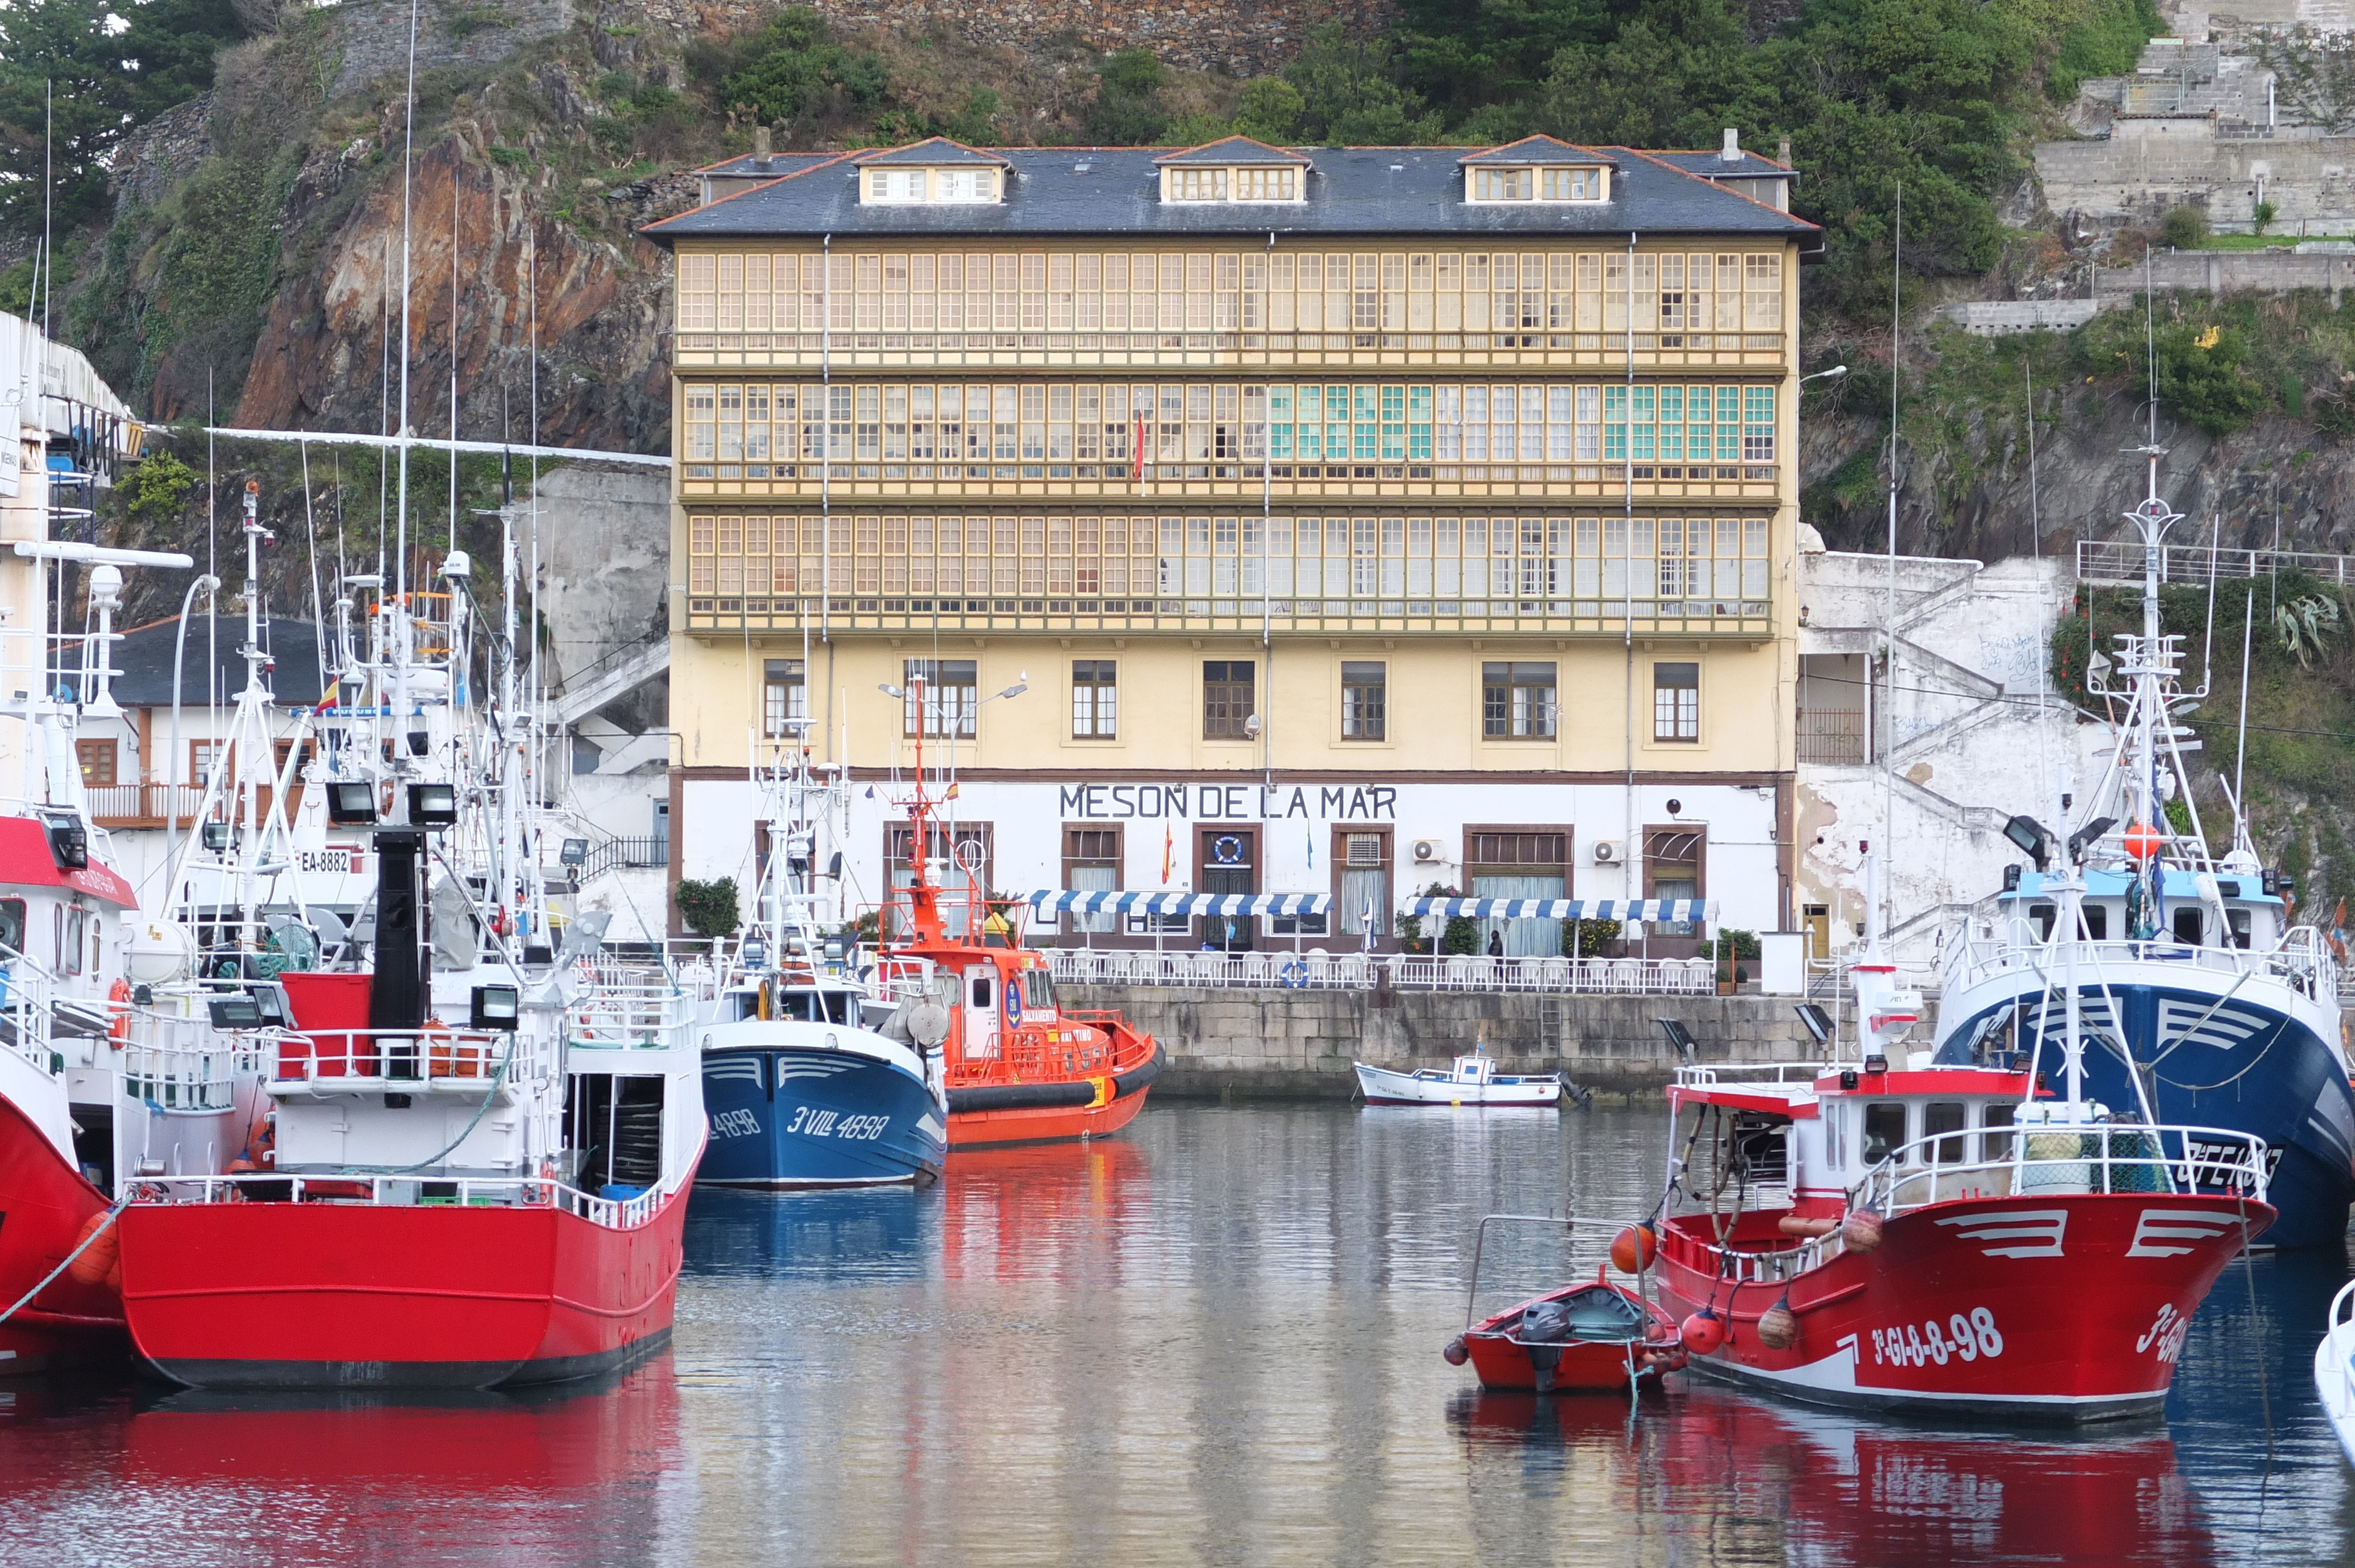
(216, 837)
(234, 1011)
(1816, 1021)
(420, 742)
(1679, 1037)
(2086, 836)
(1876, 1063)
(69, 840)
(576, 853)
(497, 1007)
(2011, 877)
(351, 803)
(271, 1003)
(2031, 836)
(433, 805)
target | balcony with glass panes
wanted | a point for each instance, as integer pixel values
(1185, 571)
(1151, 442)
(1204, 309)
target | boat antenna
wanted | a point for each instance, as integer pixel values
(1888, 725)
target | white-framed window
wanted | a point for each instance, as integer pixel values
(784, 698)
(1572, 184)
(965, 184)
(895, 185)
(1197, 185)
(909, 186)
(1503, 185)
(1267, 184)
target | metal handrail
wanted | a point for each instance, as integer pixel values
(2204, 1153)
(2299, 956)
(1275, 968)
(402, 1192)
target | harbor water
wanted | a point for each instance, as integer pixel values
(1214, 1339)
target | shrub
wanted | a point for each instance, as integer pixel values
(2185, 228)
(709, 907)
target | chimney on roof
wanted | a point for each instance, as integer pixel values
(1731, 151)
(1782, 152)
(761, 147)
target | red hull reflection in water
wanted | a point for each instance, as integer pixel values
(1845, 1489)
(362, 1477)
(1041, 1211)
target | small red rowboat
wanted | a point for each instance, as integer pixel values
(1581, 1339)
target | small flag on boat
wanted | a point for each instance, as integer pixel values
(950, 793)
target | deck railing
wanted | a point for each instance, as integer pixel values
(406, 1190)
(429, 1059)
(2302, 959)
(1315, 970)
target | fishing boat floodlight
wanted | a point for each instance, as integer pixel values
(216, 836)
(2091, 833)
(271, 1003)
(234, 1011)
(351, 803)
(1816, 1021)
(2031, 837)
(433, 805)
(69, 840)
(576, 853)
(497, 1007)
(1876, 1063)
(1678, 1036)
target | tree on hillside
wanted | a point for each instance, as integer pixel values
(105, 68)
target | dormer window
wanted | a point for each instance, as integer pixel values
(1539, 185)
(904, 187)
(1230, 184)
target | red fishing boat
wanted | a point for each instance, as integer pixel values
(1962, 1239)
(1599, 1337)
(1020, 1067)
(52, 1006)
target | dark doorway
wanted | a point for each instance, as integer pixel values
(1230, 863)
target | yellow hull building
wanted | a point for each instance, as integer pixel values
(1245, 519)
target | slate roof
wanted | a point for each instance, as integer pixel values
(1539, 150)
(1233, 151)
(1350, 190)
(934, 152)
(778, 166)
(1750, 166)
(145, 657)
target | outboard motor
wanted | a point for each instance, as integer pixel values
(1545, 1327)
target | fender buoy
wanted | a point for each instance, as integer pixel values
(1860, 1232)
(1454, 1352)
(118, 1028)
(99, 1258)
(1778, 1326)
(1634, 1249)
(1294, 974)
(1703, 1332)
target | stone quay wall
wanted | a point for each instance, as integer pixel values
(1300, 1044)
(2230, 272)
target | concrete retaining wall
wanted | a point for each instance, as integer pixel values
(2223, 271)
(1287, 1044)
(2137, 179)
(1997, 318)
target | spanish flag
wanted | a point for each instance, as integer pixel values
(950, 793)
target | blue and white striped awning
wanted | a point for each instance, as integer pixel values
(1053, 901)
(1623, 909)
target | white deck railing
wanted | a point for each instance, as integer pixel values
(1315, 970)
(406, 1190)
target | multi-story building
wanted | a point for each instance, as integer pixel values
(1334, 521)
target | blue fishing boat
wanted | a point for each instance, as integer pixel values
(2202, 1001)
(811, 1081)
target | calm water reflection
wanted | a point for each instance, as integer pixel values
(1212, 1341)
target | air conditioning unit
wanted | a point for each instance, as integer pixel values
(1606, 852)
(1430, 852)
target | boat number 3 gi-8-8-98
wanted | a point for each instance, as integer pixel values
(1969, 1338)
(811, 1122)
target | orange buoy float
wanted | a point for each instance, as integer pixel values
(1634, 1249)
(118, 1028)
(101, 1257)
(2144, 841)
(1860, 1232)
(1778, 1326)
(1703, 1332)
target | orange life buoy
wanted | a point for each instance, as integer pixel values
(118, 1028)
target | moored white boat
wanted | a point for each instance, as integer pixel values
(1472, 1081)
(2334, 1368)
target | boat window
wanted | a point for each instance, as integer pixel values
(1835, 1135)
(2237, 923)
(981, 990)
(11, 927)
(1884, 1130)
(745, 1003)
(1996, 1145)
(69, 954)
(1037, 990)
(1943, 1119)
(2190, 930)
(2097, 923)
(2042, 913)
